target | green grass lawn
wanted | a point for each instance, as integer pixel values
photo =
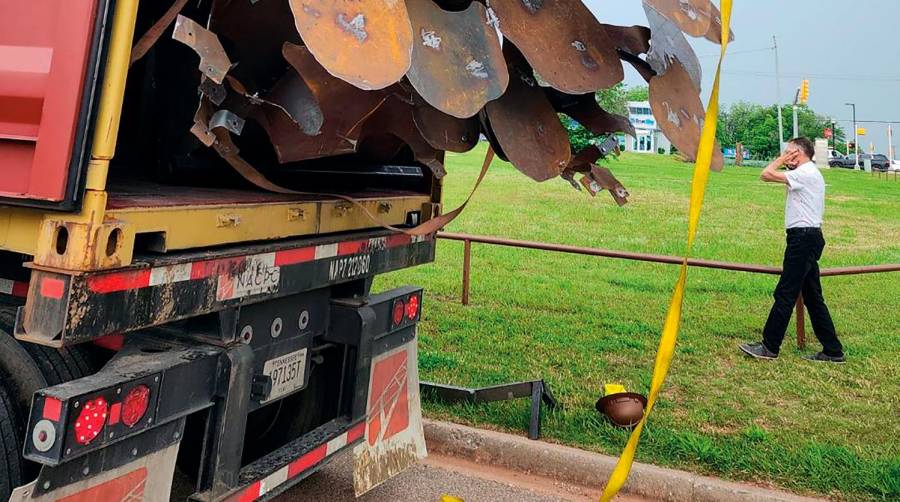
(580, 322)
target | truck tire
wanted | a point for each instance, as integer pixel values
(10, 462)
(57, 365)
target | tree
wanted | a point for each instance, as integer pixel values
(638, 93)
(756, 126)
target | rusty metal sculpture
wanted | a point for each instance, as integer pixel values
(679, 112)
(692, 16)
(457, 62)
(667, 43)
(562, 41)
(381, 80)
(527, 127)
(364, 42)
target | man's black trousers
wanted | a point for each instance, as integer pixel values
(800, 275)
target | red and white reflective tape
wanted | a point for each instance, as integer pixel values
(302, 464)
(232, 267)
(14, 288)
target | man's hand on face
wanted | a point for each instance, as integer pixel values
(790, 158)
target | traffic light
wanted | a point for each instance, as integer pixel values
(804, 92)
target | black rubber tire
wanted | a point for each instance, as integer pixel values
(10, 461)
(57, 365)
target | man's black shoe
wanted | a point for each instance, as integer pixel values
(757, 351)
(825, 358)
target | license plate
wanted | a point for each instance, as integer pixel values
(287, 373)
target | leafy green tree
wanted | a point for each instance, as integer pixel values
(638, 93)
(756, 126)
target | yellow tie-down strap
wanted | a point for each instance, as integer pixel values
(673, 316)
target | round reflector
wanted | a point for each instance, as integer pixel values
(412, 307)
(135, 404)
(91, 420)
(397, 314)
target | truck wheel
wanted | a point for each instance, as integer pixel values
(57, 365)
(10, 462)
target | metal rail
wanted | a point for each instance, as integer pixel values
(468, 239)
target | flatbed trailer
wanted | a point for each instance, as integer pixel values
(224, 336)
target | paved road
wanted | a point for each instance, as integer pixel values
(438, 476)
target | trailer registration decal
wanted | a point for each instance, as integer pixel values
(349, 267)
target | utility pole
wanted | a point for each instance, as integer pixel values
(778, 98)
(796, 126)
(890, 143)
(855, 136)
(833, 134)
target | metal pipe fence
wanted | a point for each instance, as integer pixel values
(468, 239)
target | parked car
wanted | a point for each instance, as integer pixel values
(879, 162)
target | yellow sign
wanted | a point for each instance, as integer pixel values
(861, 131)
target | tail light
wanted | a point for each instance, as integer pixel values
(412, 307)
(397, 312)
(91, 420)
(135, 405)
(406, 309)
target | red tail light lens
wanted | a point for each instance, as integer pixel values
(412, 307)
(135, 404)
(91, 420)
(397, 312)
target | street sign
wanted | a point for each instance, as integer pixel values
(828, 133)
(861, 131)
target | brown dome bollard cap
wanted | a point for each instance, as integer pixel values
(623, 409)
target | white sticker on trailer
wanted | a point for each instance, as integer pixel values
(259, 276)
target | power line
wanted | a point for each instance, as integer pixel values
(820, 76)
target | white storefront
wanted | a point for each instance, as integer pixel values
(648, 138)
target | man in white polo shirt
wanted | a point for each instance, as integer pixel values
(803, 213)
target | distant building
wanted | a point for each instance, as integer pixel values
(648, 137)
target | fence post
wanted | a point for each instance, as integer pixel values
(801, 324)
(467, 265)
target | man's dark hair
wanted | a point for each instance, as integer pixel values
(804, 144)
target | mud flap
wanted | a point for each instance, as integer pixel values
(147, 479)
(394, 439)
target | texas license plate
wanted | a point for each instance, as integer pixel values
(287, 373)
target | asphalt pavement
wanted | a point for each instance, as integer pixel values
(438, 476)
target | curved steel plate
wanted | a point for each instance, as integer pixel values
(667, 42)
(679, 113)
(395, 117)
(642, 67)
(445, 132)
(343, 106)
(634, 40)
(584, 109)
(562, 41)
(457, 63)
(528, 128)
(364, 42)
(715, 28)
(691, 16)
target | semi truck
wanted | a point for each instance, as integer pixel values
(194, 329)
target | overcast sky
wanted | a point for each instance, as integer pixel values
(847, 49)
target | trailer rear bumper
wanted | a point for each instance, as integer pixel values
(95, 444)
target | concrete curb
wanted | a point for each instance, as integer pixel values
(587, 469)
